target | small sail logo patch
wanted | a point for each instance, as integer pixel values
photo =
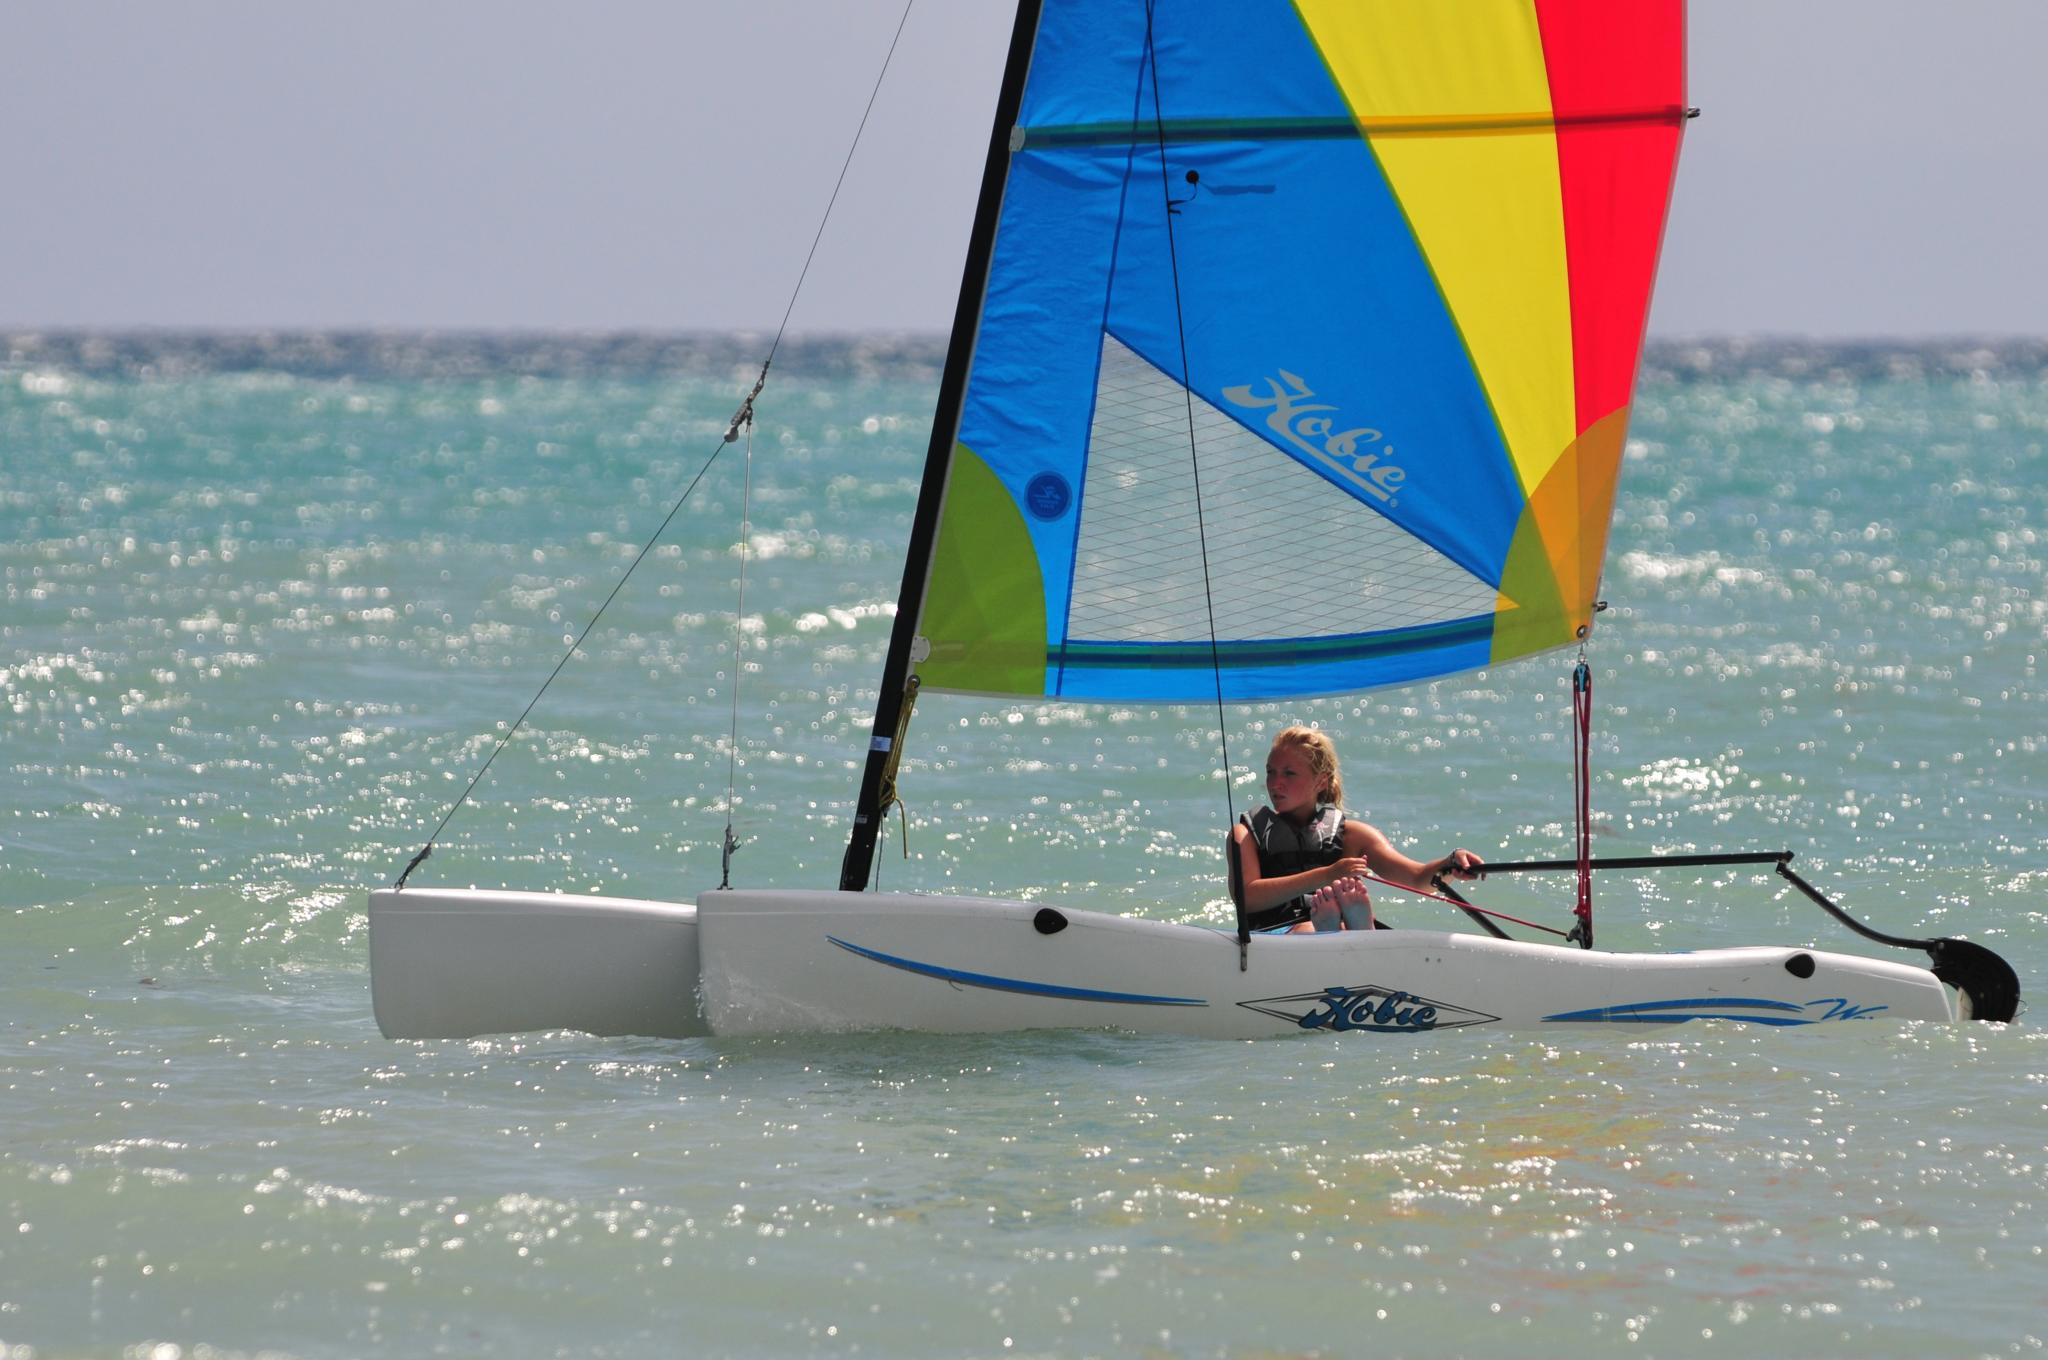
(1047, 495)
(1306, 424)
(1367, 1007)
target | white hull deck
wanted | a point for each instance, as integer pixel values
(455, 963)
(787, 962)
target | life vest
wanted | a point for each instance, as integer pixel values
(1284, 849)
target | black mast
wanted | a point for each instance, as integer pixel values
(867, 821)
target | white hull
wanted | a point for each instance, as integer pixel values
(454, 963)
(784, 962)
(449, 963)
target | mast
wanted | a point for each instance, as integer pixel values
(867, 819)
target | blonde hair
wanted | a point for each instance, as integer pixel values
(1322, 758)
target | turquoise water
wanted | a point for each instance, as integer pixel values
(269, 600)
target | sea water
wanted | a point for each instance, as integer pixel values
(271, 601)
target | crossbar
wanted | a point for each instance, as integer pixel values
(1638, 862)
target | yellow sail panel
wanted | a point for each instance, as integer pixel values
(1454, 99)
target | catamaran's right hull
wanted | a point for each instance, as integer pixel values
(777, 962)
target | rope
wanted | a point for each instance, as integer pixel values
(1582, 796)
(742, 417)
(886, 792)
(1194, 459)
(1461, 904)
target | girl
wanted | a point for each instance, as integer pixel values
(1302, 857)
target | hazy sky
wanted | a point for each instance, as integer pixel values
(1863, 167)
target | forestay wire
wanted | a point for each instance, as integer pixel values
(742, 418)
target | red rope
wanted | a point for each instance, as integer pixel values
(1462, 906)
(1582, 788)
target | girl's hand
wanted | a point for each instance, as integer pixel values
(1351, 866)
(1462, 864)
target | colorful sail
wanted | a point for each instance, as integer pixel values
(1307, 345)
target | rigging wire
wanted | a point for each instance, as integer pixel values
(745, 413)
(731, 842)
(837, 184)
(1194, 459)
(742, 417)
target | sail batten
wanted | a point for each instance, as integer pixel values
(1390, 333)
(1314, 129)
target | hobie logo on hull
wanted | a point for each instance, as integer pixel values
(1303, 423)
(1368, 1007)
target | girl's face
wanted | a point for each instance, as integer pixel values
(1292, 785)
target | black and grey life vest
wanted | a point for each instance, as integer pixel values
(1284, 849)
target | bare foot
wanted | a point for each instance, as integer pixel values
(1324, 911)
(1354, 902)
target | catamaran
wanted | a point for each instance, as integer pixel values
(1368, 275)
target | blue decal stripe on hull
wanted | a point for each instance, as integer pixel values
(1003, 984)
(1676, 1017)
(1688, 1008)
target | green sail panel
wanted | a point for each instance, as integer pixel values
(985, 606)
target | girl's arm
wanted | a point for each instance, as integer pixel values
(1368, 843)
(1261, 893)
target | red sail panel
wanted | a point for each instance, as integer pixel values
(1617, 90)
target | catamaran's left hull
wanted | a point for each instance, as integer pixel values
(450, 963)
(784, 961)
